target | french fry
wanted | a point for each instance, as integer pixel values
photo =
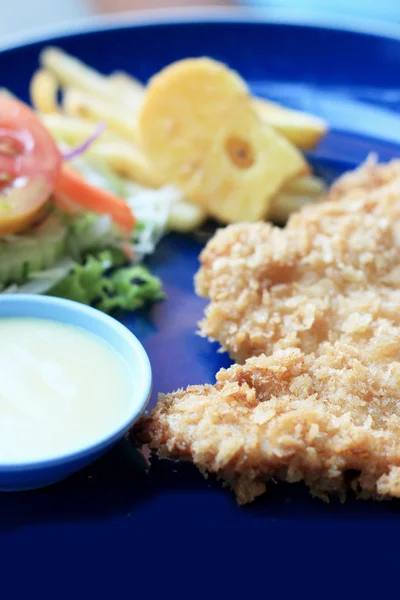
(71, 72)
(73, 130)
(130, 90)
(126, 160)
(305, 185)
(298, 192)
(122, 80)
(118, 154)
(81, 104)
(198, 154)
(185, 216)
(283, 205)
(300, 128)
(43, 91)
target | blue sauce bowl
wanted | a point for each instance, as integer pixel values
(40, 473)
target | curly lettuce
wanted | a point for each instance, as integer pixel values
(95, 282)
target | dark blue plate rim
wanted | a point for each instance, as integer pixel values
(224, 15)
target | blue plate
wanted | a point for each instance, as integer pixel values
(115, 529)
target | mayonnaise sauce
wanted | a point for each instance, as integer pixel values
(61, 388)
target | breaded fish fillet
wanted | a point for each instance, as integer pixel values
(332, 421)
(315, 308)
(333, 273)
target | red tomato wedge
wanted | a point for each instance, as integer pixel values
(31, 170)
(30, 163)
(72, 186)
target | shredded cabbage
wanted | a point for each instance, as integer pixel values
(151, 208)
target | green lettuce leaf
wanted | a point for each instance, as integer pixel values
(99, 283)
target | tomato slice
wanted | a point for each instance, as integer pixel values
(30, 164)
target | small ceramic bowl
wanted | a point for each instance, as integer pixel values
(30, 475)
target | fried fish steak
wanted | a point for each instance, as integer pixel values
(332, 274)
(312, 310)
(332, 420)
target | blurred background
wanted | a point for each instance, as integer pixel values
(17, 16)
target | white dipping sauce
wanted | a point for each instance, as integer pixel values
(61, 389)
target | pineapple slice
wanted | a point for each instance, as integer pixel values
(183, 108)
(200, 131)
(247, 165)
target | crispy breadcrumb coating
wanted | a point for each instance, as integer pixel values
(314, 310)
(333, 273)
(330, 420)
